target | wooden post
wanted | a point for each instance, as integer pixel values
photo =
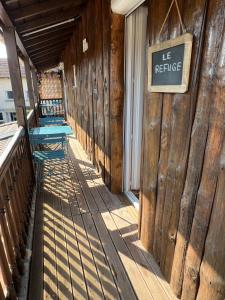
(117, 100)
(63, 94)
(15, 75)
(30, 86)
(16, 81)
(35, 85)
(29, 82)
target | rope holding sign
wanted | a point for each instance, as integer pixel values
(179, 15)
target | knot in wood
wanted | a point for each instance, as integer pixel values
(193, 274)
(2, 211)
(172, 237)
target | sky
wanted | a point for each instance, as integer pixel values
(2, 50)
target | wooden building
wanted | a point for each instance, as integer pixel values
(164, 152)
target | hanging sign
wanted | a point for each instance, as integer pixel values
(169, 65)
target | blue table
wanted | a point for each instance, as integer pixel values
(51, 130)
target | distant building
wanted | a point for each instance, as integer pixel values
(7, 107)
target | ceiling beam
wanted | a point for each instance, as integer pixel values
(55, 54)
(38, 8)
(46, 21)
(48, 45)
(63, 27)
(47, 38)
(34, 51)
(44, 67)
(47, 59)
(47, 50)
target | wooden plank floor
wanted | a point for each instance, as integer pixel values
(85, 240)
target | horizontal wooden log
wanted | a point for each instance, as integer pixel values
(52, 57)
(52, 37)
(54, 30)
(46, 49)
(39, 8)
(50, 20)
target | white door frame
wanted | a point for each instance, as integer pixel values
(134, 90)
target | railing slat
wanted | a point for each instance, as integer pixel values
(16, 188)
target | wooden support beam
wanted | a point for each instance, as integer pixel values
(117, 100)
(15, 75)
(29, 82)
(64, 28)
(50, 20)
(17, 86)
(52, 51)
(47, 66)
(51, 38)
(35, 85)
(47, 51)
(38, 8)
(44, 59)
(48, 45)
(50, 35)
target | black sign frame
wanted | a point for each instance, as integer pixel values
(158, 74)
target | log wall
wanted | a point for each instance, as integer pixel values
(182, 209)
(183, 155)
(96, 102)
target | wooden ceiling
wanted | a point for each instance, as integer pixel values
(35, 22)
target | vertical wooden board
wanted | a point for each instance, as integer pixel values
(117, 100)
(99, 81)
(91, 66)
(210, 171)
(106, 12)
(175, 187)
(151, 138)
(163, 168)
(212, 273)
(85, 82)
(151, 157)
(196, 153)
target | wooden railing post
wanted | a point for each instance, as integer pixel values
(30, 86)
(35, 85)
(16, 81)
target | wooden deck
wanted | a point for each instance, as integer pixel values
(85, 240)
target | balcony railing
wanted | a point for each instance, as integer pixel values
(52, 107)
(16, 189)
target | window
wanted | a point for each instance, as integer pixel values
(1, 118)
(9, 95)
(13, 116)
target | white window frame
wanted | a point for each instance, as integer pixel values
(7, 98)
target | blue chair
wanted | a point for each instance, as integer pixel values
(48, 121)
(57, 149)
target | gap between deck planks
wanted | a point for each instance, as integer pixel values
(86, 240)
